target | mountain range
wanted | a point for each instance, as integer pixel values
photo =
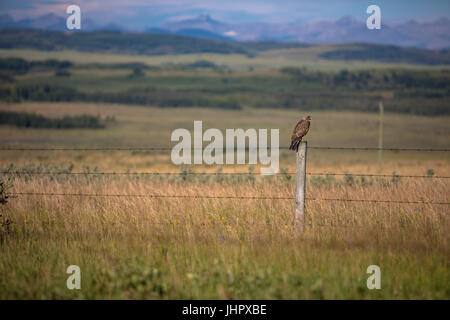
(429, 35)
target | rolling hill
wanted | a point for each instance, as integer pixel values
(163, 44)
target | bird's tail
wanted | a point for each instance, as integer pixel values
(295, 144)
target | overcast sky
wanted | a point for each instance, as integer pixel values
(146, 13)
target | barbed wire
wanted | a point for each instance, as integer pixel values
(245, 149)
(381, 149)
(150, 196)
(225, 197)
(394, 175)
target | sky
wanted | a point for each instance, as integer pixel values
(137, 14)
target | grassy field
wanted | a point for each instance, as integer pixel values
(210, 248)
(208, 81)
(271, 59)
(178, 248)
(224, 249)
(148, 127)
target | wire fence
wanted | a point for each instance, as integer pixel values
(348, 174)
(224, 197)
(235, 149)
(223, 173)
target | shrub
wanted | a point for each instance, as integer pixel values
(4, 196)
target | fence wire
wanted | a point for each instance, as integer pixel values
(223, 197)
(395, 176)
(246, 149)
(222, 173)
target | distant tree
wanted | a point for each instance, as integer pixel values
(31, 120)
(136, 73)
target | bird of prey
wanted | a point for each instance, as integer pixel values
(300, 130)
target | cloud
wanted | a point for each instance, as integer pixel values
(182, 17)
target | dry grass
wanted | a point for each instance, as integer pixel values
(225, 248)
(149, 126)
(130, 247)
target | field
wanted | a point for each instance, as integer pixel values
(271, 59)
(190, 241)
(223, 248)
(138, 247)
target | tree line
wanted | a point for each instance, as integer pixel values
(32, 120)
(161, 97)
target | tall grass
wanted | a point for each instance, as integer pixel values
(181, 248)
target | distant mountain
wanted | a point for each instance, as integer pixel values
(6, 20)
(195, 33)
(202, 22)
(430, 35)
(46, 22)
(110, 27)
(199, 33)
(53, 22)
(239, 32)
(162, 44)
(434, 35)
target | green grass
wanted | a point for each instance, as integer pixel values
(272, 59)
(220, 271)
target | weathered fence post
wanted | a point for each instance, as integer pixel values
(380, 136)
(300, 184)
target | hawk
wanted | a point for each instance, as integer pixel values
(300, 130)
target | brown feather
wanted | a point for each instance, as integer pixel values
(300, 130)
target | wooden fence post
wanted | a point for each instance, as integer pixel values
(380, 136)
(300, 184)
